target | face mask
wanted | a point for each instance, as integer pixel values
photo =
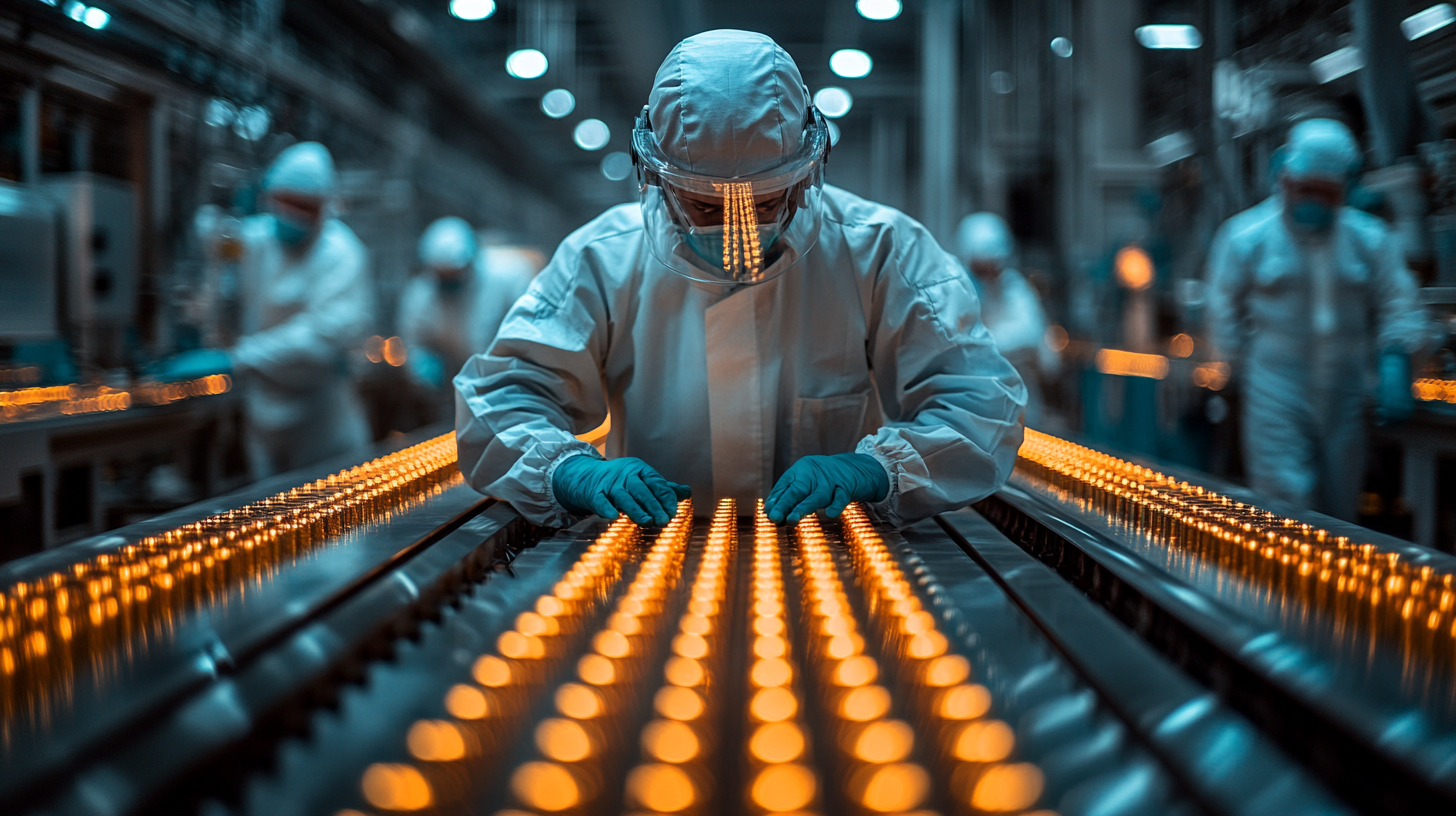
(1312, 216)
(450, 282)
(291, 233)
(707, 242)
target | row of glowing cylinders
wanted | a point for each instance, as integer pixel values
(673, 775)
(1422, 594)
(1430, 390)
(39, 616)
(68, 400)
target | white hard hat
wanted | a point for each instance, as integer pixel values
(448, 243)
(306, 168)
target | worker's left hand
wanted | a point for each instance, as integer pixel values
(830, 483)
(191, 365)
(1393, 401)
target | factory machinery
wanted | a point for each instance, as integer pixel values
(1102, 636)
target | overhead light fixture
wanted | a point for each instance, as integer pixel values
(1169, 37)
(617, 166)
(89, 16)
(878, 9)
(472, 9)
(592, 134)
(558, 103)
(833, 102)
(527, 63)
(1062, 47)
(851, 63)
(1332, 66)
(1425, 22)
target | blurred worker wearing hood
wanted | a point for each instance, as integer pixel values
(1010, 307)
(307, 300)
(751, 331)
(1312, 305)
(454, 306)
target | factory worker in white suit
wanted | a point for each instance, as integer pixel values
(1010, 307)
(454, 306)
(307, 301)
(1312, 305)
(752, 332)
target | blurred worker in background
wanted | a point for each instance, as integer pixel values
(753, 332)
(306, 302)
(1311, 304)
(1010, 307)
(455, 306)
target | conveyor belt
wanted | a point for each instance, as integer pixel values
(383, 640)
(1336, 641)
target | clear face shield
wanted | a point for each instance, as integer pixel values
(743, 230)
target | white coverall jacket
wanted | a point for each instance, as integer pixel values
(456, 326)
(1301, 323)
(301, 317)
(1012, 312)
(872, 343)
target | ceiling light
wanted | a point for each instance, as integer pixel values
(1062, 47)
(592, 134)
(558, 103)
(95, 18)
(851, 63)
(1160, 37)
(527, 63)
(833, 102)
(878, 9)
(472, 9)
(1432, 19)
(617, 166)
(1334, 65)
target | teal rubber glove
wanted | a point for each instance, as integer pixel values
(585, 484)
(427, 367)
(191, 365)
(1394, 402)
(830, 483)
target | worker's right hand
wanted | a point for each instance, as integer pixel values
(586, 484)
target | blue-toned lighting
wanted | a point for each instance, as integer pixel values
(878, 9)
(472, 9)
(851, 63)
(527, 63)
(833, 102)
(592, 134)
(1176, 37)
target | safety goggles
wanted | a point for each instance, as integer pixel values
(747, 229)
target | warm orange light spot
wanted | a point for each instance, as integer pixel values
(467, 703)
(947, 671)
(1181, 346)
(391, 786)
(774, 704)
(780, 788)
(563, 740)
(597, 670)
(768, 625)
(768, 608)
(1008, 787)
(550, 606)
(670, 741)
(984, 742)
(394, 352)
(927, 645)
(435, 741)
(842, 646)
(704, 605)
(777, 742)
(683, 671)
(678, 703)
(520, 646)
(624, 623)
(773, 671)
(492, 671)
(856, 671)
(964, 702)
(836, 625)
(1134, 268)
(695, 624)
(661, 788)
(770, 646)
(917, 622)
(578, 701)
(532, 623)
(690, 645)
(885, 741)
(865, 703)
(897, 787)
(545, 786)
(612, 643)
